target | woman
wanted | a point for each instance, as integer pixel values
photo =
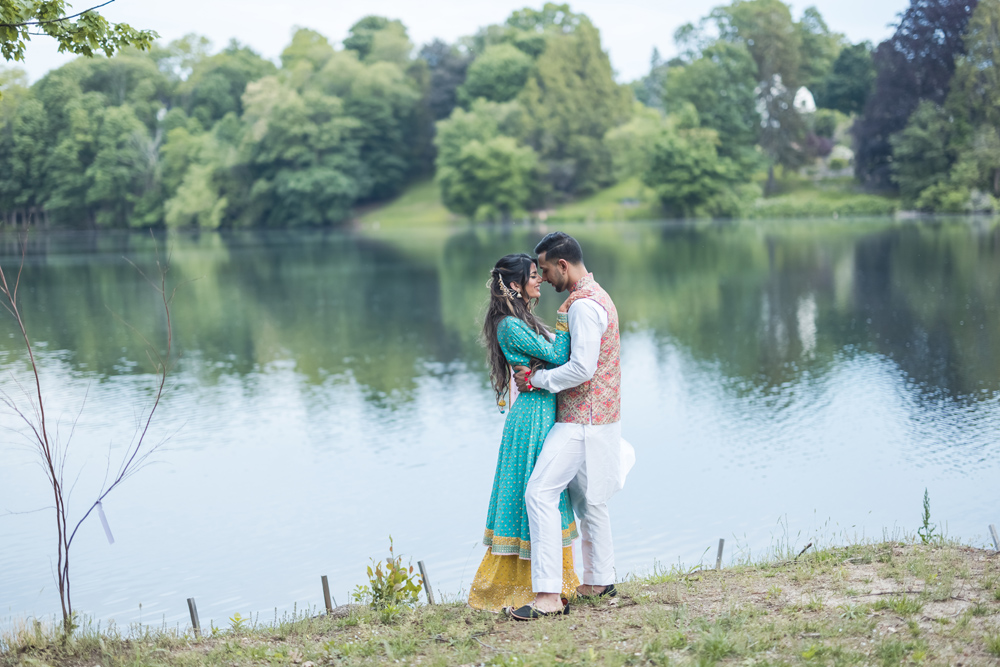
(514, 336)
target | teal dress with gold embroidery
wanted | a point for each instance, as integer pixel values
(504, 577)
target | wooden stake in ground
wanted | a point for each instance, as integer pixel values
(427, 582)
(195, 623)
(718, 558)
(326, 595)
(996, 540)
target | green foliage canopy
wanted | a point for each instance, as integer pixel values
(498, 74)
(691, 179)
(847, 86)
(85, 33)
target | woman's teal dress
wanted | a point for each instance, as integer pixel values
(504, 577)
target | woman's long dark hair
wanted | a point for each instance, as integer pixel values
(506, 303)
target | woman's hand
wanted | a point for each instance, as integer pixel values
(564, 308)
(521, 374)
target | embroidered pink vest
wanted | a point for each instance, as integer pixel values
(597, 401)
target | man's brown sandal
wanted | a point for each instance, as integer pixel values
(529, 613)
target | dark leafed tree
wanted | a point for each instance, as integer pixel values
(447, 65)
(84, 33)
(915, 64)
(847, 87)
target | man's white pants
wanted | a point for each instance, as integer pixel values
(562, 463)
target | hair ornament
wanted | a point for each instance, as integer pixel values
(507, 292)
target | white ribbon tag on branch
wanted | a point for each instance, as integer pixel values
(104, 522)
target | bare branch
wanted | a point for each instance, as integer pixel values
(40, 509)
(53, 458)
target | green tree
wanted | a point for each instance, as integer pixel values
(552, 16)
(385, 103)
(378, 38)
(651, 89)
(773, 39)
(308, 48)
(24, 147)
(692, 180)
(849, 83)
(571, 101)
(498, 74)
(491, 180)
(196, 173)
(122, 175)
(820, 48)
(786, 53)
(977, 170)
(948, 157)
(782, 129)
(483, 121)
(381, 95)
(303, 156)
(216, 83)
(721, 84)
(84, 33)
(975, 86)
(628, 144)
(923, 150)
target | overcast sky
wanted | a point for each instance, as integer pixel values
(629, 28)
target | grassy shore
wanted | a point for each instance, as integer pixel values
(796, 197)
(891, 603)
(803, 197)
(418, 206)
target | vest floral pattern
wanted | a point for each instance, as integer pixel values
(597, 401)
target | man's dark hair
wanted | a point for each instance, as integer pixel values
(560, 245)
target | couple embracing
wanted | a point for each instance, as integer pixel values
(561, 457)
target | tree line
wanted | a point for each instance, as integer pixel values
(518, 117)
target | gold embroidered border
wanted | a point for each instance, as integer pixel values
(515, 546)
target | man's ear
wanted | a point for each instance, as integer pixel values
(563, 265)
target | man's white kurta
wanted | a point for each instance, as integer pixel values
(609, 458)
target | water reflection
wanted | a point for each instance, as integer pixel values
(329, 383)
(765, 303)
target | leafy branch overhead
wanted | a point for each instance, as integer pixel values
(83, 33)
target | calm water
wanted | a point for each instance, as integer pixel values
(782, 382)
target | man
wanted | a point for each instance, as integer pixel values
(584, 450)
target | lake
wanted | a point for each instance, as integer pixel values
(783, 382)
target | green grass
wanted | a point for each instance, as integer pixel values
(685, 617)
(610, 205)
(798, 197)
(419, 206)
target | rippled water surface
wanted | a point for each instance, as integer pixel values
(782, 382)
